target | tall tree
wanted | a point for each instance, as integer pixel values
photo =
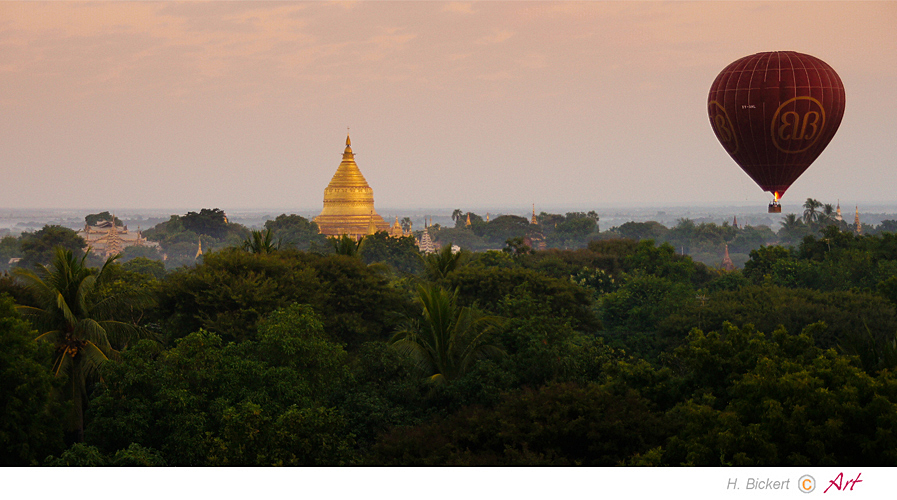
(442, 263)
(828, 214)
(39, 247)
(458, 217)
(296, 231)
(260, 242)
(344, 245)
(92, 219)
(811, 211)
(448, 339)
(210, 222)
(30, 428)
(74, 318)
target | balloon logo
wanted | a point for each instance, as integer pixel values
(796, 131)
(774, 113)
(722, 125)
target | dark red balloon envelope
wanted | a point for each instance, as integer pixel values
(774, 113)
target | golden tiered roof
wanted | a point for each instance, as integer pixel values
(349, 202)
(396, 231)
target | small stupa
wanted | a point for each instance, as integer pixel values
(728, 265)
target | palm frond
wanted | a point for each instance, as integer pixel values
(423, 359)
(448, 339)
(62, 365)
(92, 358)
(90, 330)
(53, 336)
(63, 307)
(84, 288)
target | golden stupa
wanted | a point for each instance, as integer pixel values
(349, 202)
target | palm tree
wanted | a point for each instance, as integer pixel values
(406, 223)
(442, 263)
(828, 215)
(73, 316)
(457, 215)
(260, 242)
(448, 339)
(345, 245)
(791, 223)
(811, 211)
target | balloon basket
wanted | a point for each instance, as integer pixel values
(775, 208)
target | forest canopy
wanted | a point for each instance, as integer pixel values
(279, 347)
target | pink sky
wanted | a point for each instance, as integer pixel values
(461, 105)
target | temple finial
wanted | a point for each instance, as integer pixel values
(347, 153)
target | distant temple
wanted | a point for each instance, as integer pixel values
(728, 265)
(107, 239)
(397, 231)
(349, 202)
(856, 222)
(534, 238)
(426, 244)
(198, 249)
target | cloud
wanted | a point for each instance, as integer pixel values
(459, 7)
(496, 37)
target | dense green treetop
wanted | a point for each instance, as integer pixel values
(845, 314)
(31, 427)
(206, 402)
(92, 219)
(484, 286)
(9, 249)
(38, 247)
(779, 401)
(209, 222)
(297, 232)
(231, 290)
(650, 230)
(400, 254)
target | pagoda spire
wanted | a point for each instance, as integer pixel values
(856, 222)
(113, 241)
(347, 153)
(198, 249)
(838, 216)
(534, 220)
(467, 224)
(728, 265)
(372, 227)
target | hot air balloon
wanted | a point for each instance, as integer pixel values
(774, 113)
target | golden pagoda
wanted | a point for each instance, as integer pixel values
(397, 231)
(349, 202)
